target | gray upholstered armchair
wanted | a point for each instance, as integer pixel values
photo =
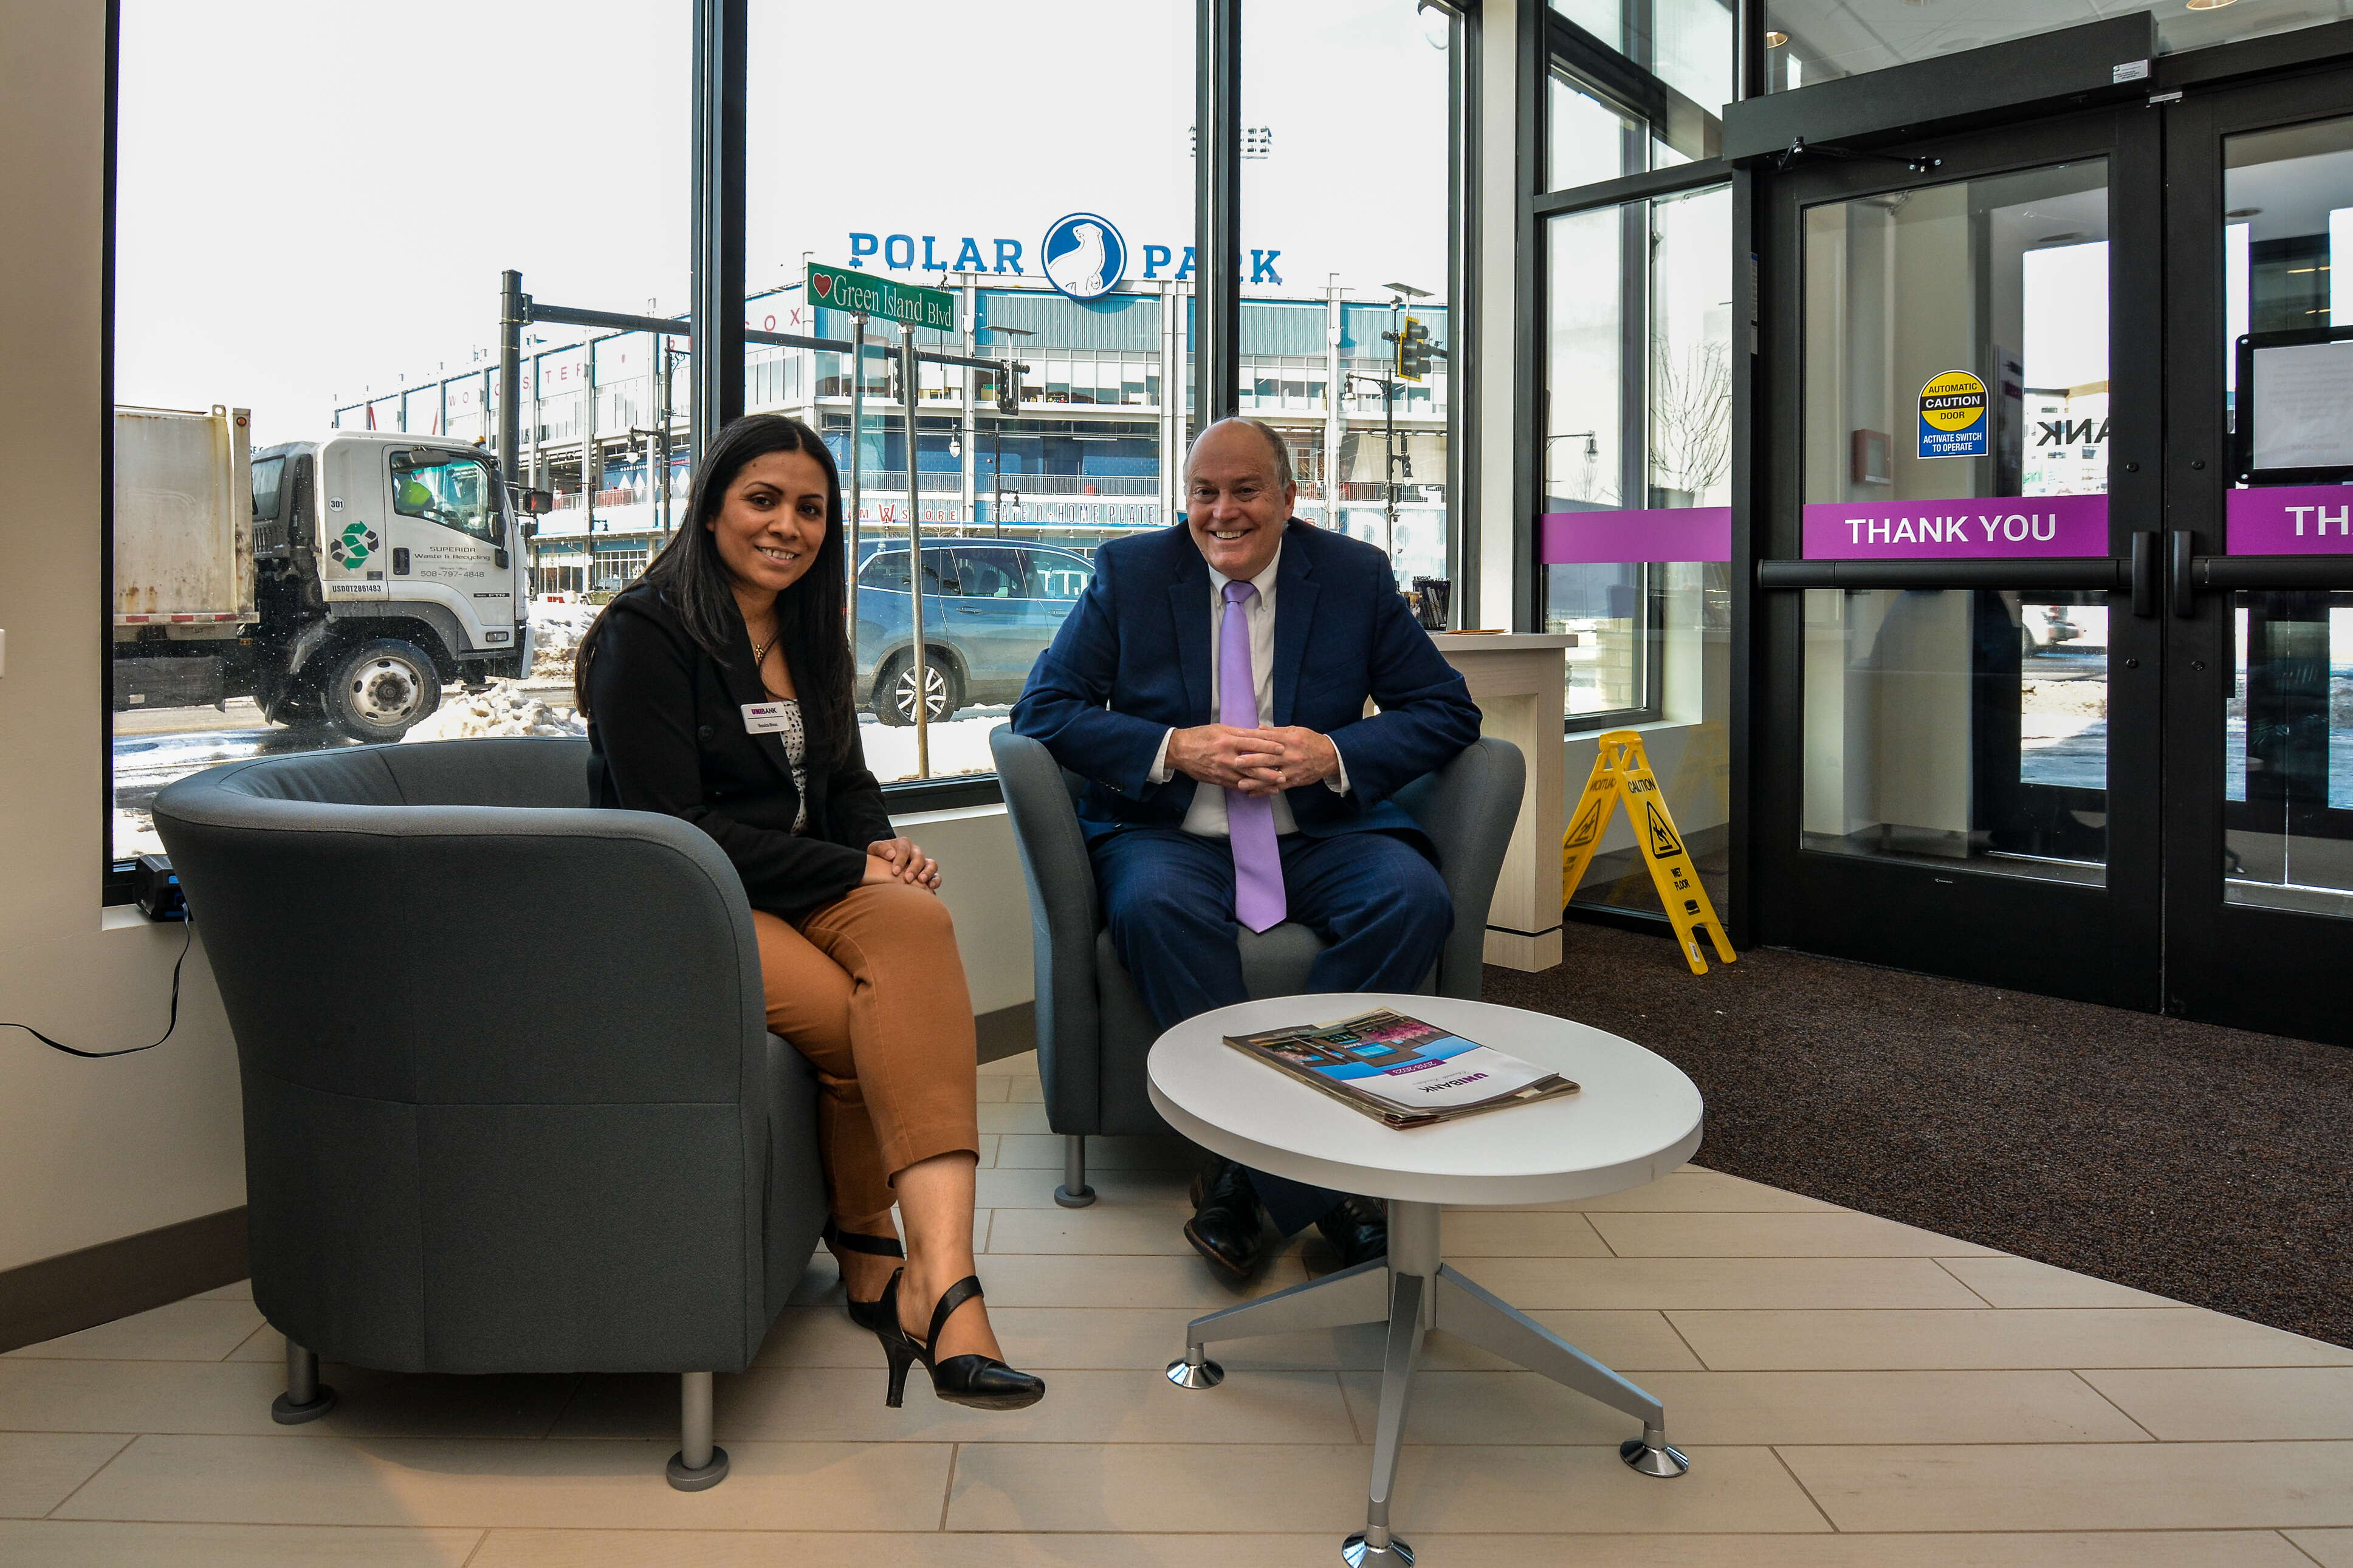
(1092, 1029)
(510, 1102)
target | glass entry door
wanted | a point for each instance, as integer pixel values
(2260, 520)
(2055, 602)
(1959, 772)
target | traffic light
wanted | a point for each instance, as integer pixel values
(1413, 351)
(1009, 386)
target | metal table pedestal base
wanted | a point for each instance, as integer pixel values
(1414, 1290)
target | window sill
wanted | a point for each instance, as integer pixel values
(942, 795)
(961, 793)
(1586, 726)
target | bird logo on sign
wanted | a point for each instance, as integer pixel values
(1085, 257)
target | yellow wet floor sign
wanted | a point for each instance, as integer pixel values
(1621, 771)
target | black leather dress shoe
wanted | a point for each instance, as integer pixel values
(1226, 1229)
(1358, 1230)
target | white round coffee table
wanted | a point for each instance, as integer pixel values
(1635, 1118)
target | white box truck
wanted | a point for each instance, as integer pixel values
(345, 579)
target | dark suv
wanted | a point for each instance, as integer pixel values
(990, 606)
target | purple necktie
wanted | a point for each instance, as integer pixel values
(1250, 819)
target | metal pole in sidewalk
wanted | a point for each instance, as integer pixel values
(514, 310)
(910, 391)
(1388, 431)
(856, 436)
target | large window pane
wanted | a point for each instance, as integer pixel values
(1078, 263)
(1589, 138)
(1361, 135)
(1638, 422)
(312, 541)
(1643, 88)
(1686, 44)
(1635, 539)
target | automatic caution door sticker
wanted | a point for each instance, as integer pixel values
(1953, 416)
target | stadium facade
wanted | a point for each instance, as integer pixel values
(1092, 452)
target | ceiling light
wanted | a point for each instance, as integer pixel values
(2068, 238)
(2244, 212)
(2207, 5)
(1774, 40)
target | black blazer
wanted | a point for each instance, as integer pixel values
(666, 733)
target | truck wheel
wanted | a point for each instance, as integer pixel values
(895, 694)
(381, 690)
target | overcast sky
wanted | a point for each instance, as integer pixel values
(317, 199)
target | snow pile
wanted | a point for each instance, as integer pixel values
(555, 634)
(134, 833)
(2089, 698)
(500, 711)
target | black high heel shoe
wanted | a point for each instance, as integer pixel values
(867, 1315)
(981, 1381)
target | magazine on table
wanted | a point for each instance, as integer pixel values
(1401, 1071)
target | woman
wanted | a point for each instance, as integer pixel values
(718, 688)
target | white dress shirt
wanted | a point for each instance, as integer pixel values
(1207, 814)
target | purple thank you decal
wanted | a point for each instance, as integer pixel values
(1991, 527)
(2291, 519)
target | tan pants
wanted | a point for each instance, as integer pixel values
(870, 989)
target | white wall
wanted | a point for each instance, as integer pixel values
(980, 880)
(89, 1151)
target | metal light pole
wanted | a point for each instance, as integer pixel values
(1013, 369)
(909, 389)
(1389, 443)
(1398, 294)
(857, 434)
(661, 427)
(514, 313)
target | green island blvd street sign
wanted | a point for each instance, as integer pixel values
(862, 293)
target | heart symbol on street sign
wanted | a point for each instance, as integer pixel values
(823, 284)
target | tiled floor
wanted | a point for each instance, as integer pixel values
(1853, 1393)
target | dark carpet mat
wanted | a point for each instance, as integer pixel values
(2209, 1164)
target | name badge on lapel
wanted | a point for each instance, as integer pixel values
(764, 718)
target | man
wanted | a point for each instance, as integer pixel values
(1210, 685)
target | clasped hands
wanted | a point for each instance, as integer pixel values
(891, 860)
(1260, 762)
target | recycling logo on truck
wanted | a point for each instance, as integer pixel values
(353, 546)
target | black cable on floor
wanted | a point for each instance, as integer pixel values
(128, 1050)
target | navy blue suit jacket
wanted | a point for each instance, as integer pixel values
(1132, 661)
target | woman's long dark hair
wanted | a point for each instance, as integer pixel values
(693, 581)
